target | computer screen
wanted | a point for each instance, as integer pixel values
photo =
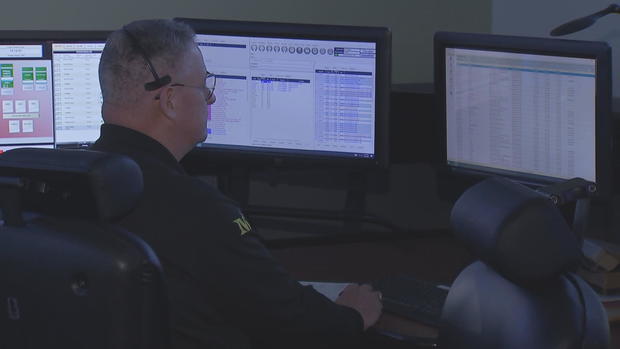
(26, 95)
(77, 94)
(288, 92)
(50, 88)
(534, 109)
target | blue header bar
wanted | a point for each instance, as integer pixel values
(323, 71)
(236, 77)
(77, 51)
(528, 70)
(215, 44)
(265, 79)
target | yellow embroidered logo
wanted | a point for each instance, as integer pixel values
(243, 224)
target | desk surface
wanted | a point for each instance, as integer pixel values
(438, 259)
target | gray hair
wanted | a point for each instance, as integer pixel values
(123, 70)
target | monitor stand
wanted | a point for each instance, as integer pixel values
(577, 191)
(235, 183)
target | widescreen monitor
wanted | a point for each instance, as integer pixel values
(50, 95)
(537, 110)
(295, 93)
(77, 94)
(25, 94)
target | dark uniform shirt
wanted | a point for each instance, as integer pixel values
(225, 289)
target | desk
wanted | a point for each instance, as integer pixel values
(438, 259)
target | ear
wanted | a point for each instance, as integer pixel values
(167, 102)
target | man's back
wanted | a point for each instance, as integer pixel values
(223, 284)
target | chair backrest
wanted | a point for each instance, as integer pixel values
(70, 277)
(521, 293)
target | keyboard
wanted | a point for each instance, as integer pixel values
(412, 298)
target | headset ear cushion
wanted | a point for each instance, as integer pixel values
(596, 331)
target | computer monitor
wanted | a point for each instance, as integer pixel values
(77, 94)
(295, 93)
(25, 94)
(65, 83)
(537, 110)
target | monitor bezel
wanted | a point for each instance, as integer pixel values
(54, 35)
(206, 157)
(64, 37)
(599, 51)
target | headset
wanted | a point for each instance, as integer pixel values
(159, 81)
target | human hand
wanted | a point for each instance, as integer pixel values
(363, 299)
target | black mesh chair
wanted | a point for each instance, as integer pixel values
(521, 293)
(70, 278)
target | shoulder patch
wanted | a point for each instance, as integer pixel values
(244, 225)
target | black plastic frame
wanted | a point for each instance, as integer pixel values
(600, 51)
(54, 35)
(205, 157)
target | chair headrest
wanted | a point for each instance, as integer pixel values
(77, 183)
(515, 230)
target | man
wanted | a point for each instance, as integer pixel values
(225, 289)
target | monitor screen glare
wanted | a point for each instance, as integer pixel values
(292, 95)
(521, 113)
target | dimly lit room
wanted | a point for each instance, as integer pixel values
(310, 174)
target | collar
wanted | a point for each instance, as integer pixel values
(135, 144)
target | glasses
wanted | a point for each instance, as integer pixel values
(208, 88)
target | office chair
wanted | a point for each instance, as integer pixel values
(70, 278)
(521, 293)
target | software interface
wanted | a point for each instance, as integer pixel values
(524, 113)
(77, 95)
(292, 94)
(26, 97)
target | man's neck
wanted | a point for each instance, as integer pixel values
(147, 123)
